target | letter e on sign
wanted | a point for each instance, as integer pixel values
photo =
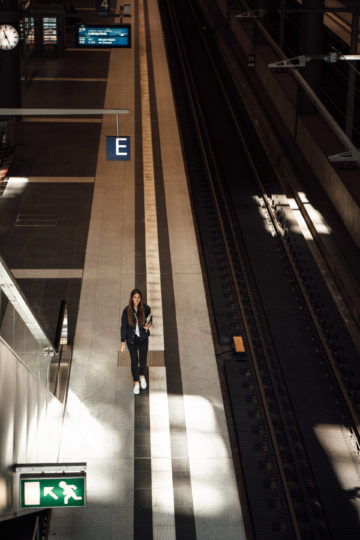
(117, 148)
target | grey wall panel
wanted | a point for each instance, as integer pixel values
(20, 415)
(7, 410)
(7, 428)
(30, 425)
(41, 421)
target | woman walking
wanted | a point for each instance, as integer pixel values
(135, 324)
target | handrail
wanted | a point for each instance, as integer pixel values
(16, 297)
(61, 363)
(59, 333)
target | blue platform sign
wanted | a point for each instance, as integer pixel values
(117, 148)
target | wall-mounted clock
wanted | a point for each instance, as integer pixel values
(9, 37)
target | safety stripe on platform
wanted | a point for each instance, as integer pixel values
(160, 485)
(153, 278)
(162, 488)
(143, 503)
(181, 478)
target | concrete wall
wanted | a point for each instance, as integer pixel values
(30, 425)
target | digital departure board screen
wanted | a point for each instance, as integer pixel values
(49, 30)
(93, 35)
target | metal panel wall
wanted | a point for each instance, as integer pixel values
(30, 425)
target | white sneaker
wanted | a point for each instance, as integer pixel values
(136, 388)
(143, 382)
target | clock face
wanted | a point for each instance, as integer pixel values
(9, 37)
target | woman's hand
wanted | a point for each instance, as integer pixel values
(122, 346)
(147, 326)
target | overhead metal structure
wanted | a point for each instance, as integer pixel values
(302, 60)
(353, 155)
(254, 14)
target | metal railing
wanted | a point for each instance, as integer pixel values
(61, 364)
(20, 328)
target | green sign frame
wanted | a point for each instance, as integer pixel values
(52, 491)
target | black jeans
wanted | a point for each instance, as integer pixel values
(142, 347)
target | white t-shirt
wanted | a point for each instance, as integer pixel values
(137, 329)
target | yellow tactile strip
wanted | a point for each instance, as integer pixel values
(153, 277)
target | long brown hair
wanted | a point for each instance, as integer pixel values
(140, 309)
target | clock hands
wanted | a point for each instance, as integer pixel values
(6, 36)
(9, 37)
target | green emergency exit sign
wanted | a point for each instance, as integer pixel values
(54, 491)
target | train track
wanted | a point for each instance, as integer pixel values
(299, 372)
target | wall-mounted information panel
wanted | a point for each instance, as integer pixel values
(49, 31)
(44, 30)
(93, 35)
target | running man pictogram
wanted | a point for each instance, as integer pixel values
(68, 492)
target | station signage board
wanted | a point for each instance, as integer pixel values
(117, 148)
(52, 491)
(102, 7)
(101, 35)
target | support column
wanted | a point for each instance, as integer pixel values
(282, 24)
(350, 103)
(311, 41)
(10, 85)
(258, 37)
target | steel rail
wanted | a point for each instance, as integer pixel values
(329, 355)
(249, 339)
(229, 253)
(354, 417)
(252, 301)
(347, 401)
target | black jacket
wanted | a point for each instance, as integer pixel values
(128, 331)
